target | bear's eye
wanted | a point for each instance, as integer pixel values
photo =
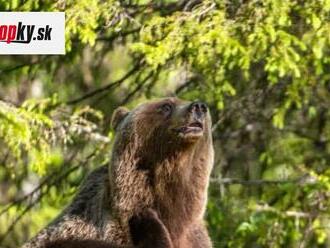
(166, 108)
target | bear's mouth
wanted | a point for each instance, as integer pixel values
(194, 127)
(192, 130)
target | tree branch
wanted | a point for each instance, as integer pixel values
(118, 35)
(17, 67)
(30, 205)
(137, 88)
(53, 181)
(296, 214)
(304, 180)
(106, 87)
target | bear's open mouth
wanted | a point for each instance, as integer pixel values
(194, 127)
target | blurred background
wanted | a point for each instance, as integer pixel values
(263, 67)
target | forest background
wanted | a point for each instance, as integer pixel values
(263, 67)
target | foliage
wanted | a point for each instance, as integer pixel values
(262, 66)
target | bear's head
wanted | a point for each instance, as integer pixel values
(161, 149)
(160, 125)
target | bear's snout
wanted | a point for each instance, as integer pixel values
(198, 110)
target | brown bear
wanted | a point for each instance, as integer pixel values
(161, 159)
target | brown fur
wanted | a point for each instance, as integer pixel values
(152, 166)
(146, 230)
(72, 243)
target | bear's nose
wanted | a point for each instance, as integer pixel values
(199, 108)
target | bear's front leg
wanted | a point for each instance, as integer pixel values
(148, 231)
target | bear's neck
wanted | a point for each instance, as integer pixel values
(174, 184)
(180, 190)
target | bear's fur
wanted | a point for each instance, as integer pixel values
(72, 243)
(146, 231)
(161, 159)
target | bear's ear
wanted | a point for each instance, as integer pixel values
(118, 115)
